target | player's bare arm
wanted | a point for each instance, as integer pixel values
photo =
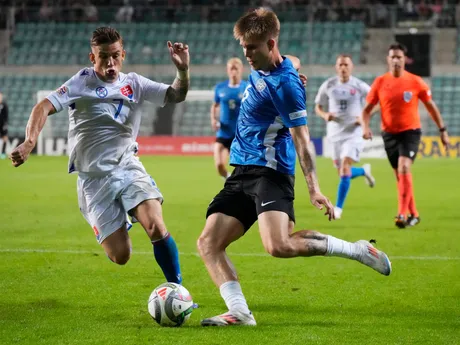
(301, 138)
(214, 117)
(177, 92)
(35, 125)
(327, 116)
(366, 119)
(437, 118)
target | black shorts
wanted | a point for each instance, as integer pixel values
(404, 144)
(3, 133)
(225, 141)
(252, 190)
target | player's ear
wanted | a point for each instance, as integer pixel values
(271, 44)
(92, 58)
(123, 54)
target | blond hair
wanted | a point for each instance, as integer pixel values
(260, 23)
(235, 60)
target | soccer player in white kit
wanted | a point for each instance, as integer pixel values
(344, 96)
(104, 123)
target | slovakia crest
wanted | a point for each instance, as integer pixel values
(352, 92)
(260, 85)
(62, 90)
(101, 92)
(127, 91)
(407, 96)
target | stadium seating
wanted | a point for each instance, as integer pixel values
(445, 92)
(20, 92)
(212, 43)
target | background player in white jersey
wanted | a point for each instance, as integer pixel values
(343, 97)
(104, 123)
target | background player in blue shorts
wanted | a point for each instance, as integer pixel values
(224, 112)
(271, 127)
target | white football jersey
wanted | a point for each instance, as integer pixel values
(104, 118)
(346, 101)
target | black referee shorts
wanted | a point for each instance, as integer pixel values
(404, 144)
(252, 190)
(227, 142)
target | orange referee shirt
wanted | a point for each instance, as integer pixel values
(398, 99)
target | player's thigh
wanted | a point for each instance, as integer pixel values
(99, 206)
(149, 214)
(117, 246)
(335, 152)
(219, 231)
(275, 227)
(391, 144)
(220, 154)
(351, 149)
(409, 143)
(233, 202)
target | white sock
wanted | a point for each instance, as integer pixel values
(341, 248)
(233, 296)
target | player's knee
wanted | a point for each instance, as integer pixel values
(204, 245)
(156, 229)
(279, 250)
(404, 168)
(221, 168)
(120, 258)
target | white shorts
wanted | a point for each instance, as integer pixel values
(106, 200)
(350, 147)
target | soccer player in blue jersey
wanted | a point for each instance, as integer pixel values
(271, 128)
(224, 112)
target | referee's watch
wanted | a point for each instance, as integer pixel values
(442, 129)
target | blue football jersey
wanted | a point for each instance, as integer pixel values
(229, 99)
(272, 103)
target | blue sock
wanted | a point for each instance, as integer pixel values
(167, 256)
(355, 172)
(344, 186)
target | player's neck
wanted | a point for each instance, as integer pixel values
(345, 79)
(397, 73)
(234, 81)
(276, 60)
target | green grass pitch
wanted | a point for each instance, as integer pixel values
(57, 286)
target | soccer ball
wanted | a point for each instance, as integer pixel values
(170, 305)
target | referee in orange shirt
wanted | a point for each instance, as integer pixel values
(398, 92)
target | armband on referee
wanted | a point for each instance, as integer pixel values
(443, 129)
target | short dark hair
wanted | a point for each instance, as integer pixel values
(344, 55)
(105, 35)
(398, 46)
(258, 23)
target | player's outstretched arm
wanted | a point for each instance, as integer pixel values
(177, 92)
(35, 125)
(366, 120)
(437, 118)
(301, 138)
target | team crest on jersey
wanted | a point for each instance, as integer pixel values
(353, 92)
(101, 92)
(407, 96)
(260, 85)
(127, 91)
(62, 90)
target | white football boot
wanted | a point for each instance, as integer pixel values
(230, 318)
(374, 258)
(370, 180)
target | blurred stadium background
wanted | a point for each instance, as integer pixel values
(44, 42)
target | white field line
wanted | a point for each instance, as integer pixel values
(70, 251)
